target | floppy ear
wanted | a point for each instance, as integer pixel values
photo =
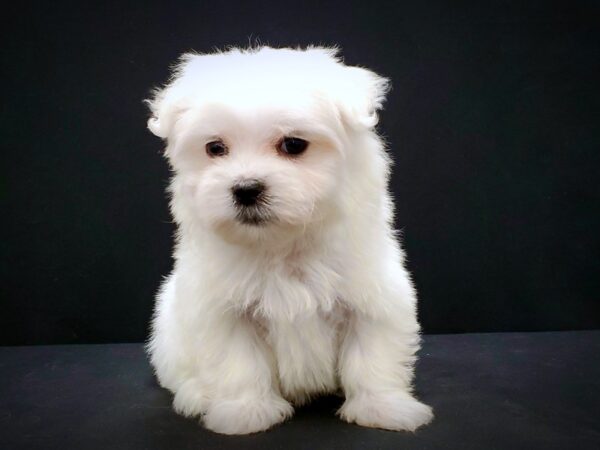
(164, 113)
(167, 103)
(362, 97)
(166, 106)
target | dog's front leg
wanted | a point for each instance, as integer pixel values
(376, 373)
(245, 396)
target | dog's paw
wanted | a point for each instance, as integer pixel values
(397, 411)
(190, 400)
(246, 415)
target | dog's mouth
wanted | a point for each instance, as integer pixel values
(253, 216)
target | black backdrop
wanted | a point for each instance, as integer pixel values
(493, 122)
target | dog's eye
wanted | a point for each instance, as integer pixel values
(292, 146)
(216, 148)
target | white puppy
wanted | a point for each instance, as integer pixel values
(289, 280)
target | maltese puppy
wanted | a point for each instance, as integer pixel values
(288, 281)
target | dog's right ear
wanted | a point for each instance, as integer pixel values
(168, 103)
(161, 121)
(165, 109)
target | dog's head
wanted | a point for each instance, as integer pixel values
(261, 140)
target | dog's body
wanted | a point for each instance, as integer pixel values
(288, 279)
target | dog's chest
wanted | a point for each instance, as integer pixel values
(284, 289)
(302, 320)
(305, 352)
(294, 302)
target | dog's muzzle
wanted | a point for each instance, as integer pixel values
(248, 192)
(250, 199)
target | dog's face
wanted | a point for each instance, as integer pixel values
(260, 140)
(271, 162)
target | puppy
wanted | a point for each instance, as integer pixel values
(288, 279)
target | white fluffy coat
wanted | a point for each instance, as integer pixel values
(257, 318)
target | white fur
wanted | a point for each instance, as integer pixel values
(256, 318)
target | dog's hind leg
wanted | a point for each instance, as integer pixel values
(168, 349)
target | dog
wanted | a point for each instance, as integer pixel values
(288, 280)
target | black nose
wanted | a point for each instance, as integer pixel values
(248, 193)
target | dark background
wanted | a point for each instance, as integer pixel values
(493, 124)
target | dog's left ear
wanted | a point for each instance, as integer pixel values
(362, 96)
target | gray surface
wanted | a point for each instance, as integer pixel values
(489, 391)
